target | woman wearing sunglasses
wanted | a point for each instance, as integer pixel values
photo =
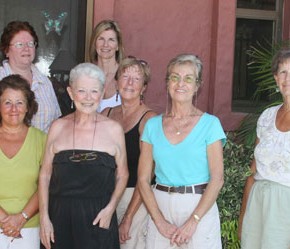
(186, 146)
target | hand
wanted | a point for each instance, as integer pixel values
(184, 233)
(46, 232)
(104, 218)
(12, 224)
(166, 229)
(124, 229)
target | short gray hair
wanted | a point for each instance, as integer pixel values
(87, 69)
(184, 59)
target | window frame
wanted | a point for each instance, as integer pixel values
(258, 14)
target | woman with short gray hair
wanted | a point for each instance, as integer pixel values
(84, 172)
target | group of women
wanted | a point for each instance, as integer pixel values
(113, 174)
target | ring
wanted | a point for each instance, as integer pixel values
(11, 231)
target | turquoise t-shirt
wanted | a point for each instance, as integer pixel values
(184, 163)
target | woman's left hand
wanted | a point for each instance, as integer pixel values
(12, 224)
(104, 218)
(184, 233)
(124, 229)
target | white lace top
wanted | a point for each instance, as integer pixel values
(272, 154)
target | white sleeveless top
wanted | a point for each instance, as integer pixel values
(110, 102)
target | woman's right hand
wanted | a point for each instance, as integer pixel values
(165, 228)
(46, 232)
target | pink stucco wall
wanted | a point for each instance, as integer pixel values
(158, 30)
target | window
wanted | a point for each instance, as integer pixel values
(256, 21)
(59, 24)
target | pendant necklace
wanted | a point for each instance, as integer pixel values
(83, 156)
(178, 129)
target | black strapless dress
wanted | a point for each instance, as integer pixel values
(77, 192)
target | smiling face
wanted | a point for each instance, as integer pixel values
(283, 78)
(86, 93)
(182, 82)
(13, 107)
(107, 44)
(21, 56)
(131, 83)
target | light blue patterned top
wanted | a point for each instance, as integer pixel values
(48, 108)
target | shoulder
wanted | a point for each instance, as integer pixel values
(4, 69)
(210, 119)
(268, 115)
(39, 76)
(109, 124)
(37, 132)
(58, 125)
(153, 122)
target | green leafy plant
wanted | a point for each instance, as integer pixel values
(237, 158)
(260, 67)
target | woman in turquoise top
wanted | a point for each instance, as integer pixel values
(186, 146)
(21, 150)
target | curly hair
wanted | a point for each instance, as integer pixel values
(16, 82)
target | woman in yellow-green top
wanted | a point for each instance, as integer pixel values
(21, 150)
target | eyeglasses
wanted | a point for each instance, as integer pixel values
(176, 78)
(90, 156)
(142, 62)
(30, 44)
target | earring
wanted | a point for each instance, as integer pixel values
(72, 105)
(117, 95)
(277, 89)
(141, 98)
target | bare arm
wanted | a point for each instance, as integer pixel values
(145, 168)
(105, 215)
(247, 189)
(136, 199)
(46, 228)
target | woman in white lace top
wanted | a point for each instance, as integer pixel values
(264, 219)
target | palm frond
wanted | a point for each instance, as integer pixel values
(260, 67)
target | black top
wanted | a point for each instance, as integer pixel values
(132, 138)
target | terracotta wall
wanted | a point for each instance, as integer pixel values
(158, 30)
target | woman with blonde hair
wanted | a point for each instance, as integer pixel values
(106, 51)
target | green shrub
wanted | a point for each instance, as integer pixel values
(237, 159)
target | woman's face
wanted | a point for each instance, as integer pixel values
(13, 107)
(283, 78)
(86, 93)
(131, 83)
(107, 44)
(21, 56)
(182, 83)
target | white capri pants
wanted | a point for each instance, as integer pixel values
(30, 240)
(139, 224)
(177, 208)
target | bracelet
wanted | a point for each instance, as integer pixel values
(196, 218)
(25, 216)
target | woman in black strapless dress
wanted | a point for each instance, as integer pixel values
(84, 172)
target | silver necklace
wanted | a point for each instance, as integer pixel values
(178, 130)
(83, 156)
